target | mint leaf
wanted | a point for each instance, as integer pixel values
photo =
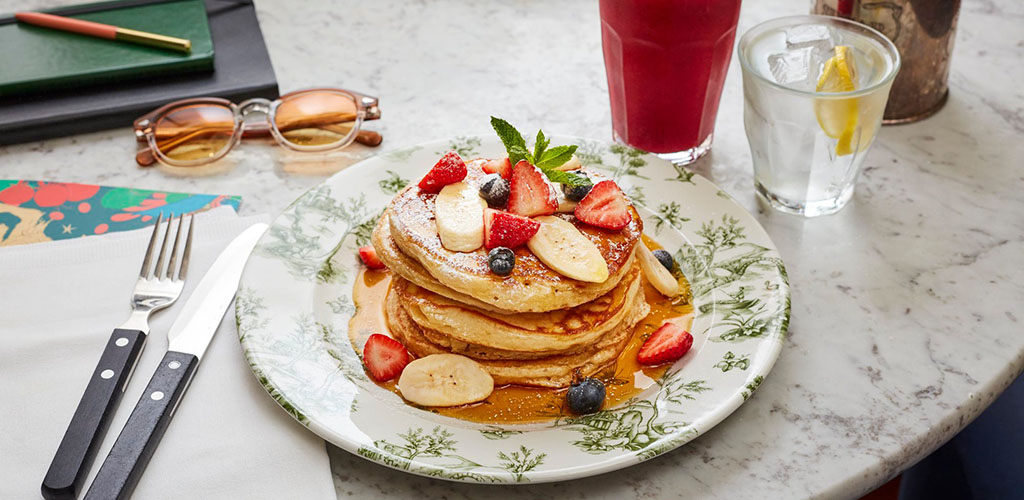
(543, 158)
(514, 143)
(516, 153)
(570, 178)
(540, 145)
(555, 157)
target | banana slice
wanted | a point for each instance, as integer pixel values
(562, 247)
(459, 210)
(573, 164)
(445, 380)
(656, 273)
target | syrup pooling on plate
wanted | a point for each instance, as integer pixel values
(512, 404)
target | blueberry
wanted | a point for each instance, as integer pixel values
(495, 190)
(666, 259)
(576, 193)
(585, 396)
(501, 260)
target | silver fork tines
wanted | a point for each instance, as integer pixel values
(149, 251)
(158, 285)
(177, 240)
(161, 260)
(188, 249)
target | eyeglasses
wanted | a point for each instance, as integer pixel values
(195, 132)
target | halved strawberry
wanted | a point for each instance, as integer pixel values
(668, 343)
(529, 193)
(604, 206)
(448, 170)
(384, 357)
(368, 254)
(502, 229)
(502, 167)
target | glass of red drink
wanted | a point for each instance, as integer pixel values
(666, 62)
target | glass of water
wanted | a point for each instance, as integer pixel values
(814, 92)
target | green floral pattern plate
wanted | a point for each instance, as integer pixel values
(294, 304)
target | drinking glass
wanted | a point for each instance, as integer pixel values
(666, 62)
(808, 142)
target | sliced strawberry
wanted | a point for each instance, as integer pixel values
(384, 357)
(502, 229)
(668, 343)
(448, 170)
(604, 206)
(501, 167)
(368, 254)
(529, 193)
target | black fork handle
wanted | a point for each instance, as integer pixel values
(81, 441)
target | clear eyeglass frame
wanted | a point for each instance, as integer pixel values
(247, 124)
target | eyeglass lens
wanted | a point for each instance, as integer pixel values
(194, 132)
(316, 118)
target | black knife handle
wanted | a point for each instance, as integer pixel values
(135, 445)
(81, 441)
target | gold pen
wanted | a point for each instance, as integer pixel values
(107, 31)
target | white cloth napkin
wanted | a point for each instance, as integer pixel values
(59, 302)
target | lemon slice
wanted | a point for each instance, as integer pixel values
(838, 117)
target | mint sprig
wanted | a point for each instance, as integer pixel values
(555, 156)
(512, 139)
(547, 160)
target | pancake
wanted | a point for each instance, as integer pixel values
(411, 270)
(532, 286)
(554, 332)
(550, 371)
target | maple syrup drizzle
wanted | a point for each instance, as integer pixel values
(515, 404)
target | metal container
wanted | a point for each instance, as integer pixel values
(923, 31)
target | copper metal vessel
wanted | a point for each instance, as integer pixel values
(923, 31)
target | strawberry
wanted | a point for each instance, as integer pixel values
(502, 229)
(668, 343)
(604, 206)
(529, 193)
(500, 166)
(368, 254)
(384, 357)
(448, 170)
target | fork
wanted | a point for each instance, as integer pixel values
(158, 286)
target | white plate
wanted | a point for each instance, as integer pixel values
(294, 305)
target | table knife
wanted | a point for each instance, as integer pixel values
(187, 342)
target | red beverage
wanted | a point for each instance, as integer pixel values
(666, 62)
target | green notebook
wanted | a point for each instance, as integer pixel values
(34, 59)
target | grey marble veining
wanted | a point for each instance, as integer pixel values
(906, 305)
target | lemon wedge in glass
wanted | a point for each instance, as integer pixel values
(838, 117)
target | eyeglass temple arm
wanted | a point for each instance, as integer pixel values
(145, 157)
(369, 137)
(364, 137)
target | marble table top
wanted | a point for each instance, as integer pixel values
(906, 320)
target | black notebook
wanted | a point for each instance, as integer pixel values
(242, 70)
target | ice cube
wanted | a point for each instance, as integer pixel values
(810, 35)
(796, 69)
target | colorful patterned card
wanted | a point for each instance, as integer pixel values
(34, 211)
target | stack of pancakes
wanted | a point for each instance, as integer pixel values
(533, 327)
